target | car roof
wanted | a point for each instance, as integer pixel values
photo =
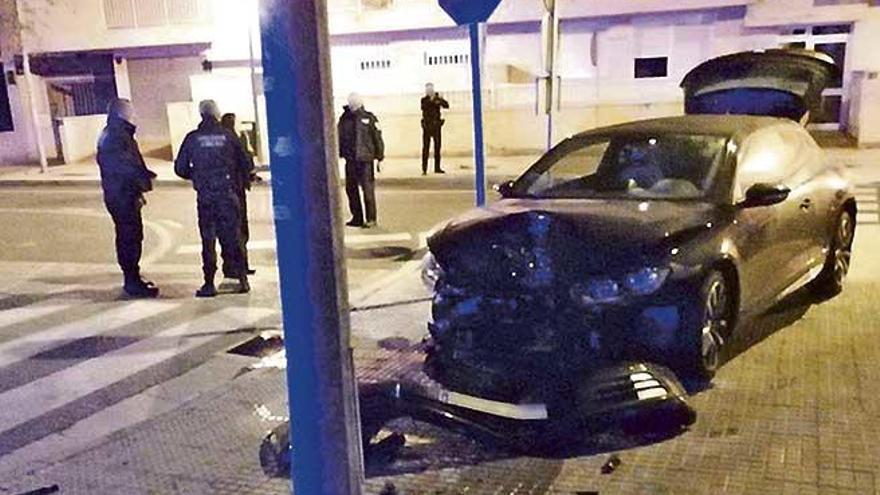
(736, 127)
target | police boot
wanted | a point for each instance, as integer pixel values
(243, 286)
(207, 289)
(134, 286)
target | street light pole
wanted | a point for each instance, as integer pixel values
(550, 42)
(258, 127)
(326, 455)
(31, 89)
(478, 46)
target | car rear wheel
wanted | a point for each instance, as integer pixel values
(830, 281)
(711, 325)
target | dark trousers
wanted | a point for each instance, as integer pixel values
(429, 133)
(244, 234)
(219, 219)
(358, 176)
(126, 213)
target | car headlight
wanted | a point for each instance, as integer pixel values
(599, 290)
(596, 290)
(431, 271)
(645, 281)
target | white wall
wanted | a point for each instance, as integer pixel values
(154, 84)
(784, 12)
(79, 136)
(73, 25)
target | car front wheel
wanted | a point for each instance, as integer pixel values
(710, 325)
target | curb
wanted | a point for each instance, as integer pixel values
(465, 183)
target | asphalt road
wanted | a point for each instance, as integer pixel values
(71, 226)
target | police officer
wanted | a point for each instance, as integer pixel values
(432, 125)
(212, 158)
(361, 144)
(242, 185)
(124, 179)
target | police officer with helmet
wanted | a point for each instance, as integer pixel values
(212, 158)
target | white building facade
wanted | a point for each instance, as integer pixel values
(619, 60)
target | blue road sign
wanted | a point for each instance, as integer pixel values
(469, 11)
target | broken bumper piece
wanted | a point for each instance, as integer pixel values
(636, 397)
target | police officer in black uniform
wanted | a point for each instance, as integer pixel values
(432, 125)
(242, 186)
(124, 179)
(361, 144)
(212, 158)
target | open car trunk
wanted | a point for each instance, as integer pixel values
(777, 83)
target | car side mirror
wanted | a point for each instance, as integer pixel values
(505, 189)
(764, 194)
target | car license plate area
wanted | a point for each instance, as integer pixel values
(528, 412)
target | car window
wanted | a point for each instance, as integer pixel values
(662, 166)
(576, 161)
(784, 155)
(765, 157)
(810, 159)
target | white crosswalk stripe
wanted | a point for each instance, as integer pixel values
(15, 316)
(53, 391)
(351, 240)
(34, 343)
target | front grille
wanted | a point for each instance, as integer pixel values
(506, 346)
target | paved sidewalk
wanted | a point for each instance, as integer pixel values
(396, 172)
(864, 164)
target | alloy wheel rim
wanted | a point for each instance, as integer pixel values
(714, 326)
(843, 249)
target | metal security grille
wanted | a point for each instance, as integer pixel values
(127, 14)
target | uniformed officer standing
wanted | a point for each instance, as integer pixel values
(242, 185)
(432, 126)
(361, 144)
(124, 179)
(212, 158)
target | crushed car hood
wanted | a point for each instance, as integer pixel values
(558, 236)
(777, 83)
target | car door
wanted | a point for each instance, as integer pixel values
(813, 200)
(768, 237)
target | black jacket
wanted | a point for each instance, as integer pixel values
(123, 171)
(360, 138)
(212, 157)
(431, 116)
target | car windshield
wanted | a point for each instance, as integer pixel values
(663, 166)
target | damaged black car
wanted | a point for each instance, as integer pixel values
(648, 242)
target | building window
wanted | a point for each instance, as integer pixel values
(375, 64)
(447, 59)
(126, 14)
(832, 29)
(5, 110)
(651, 67)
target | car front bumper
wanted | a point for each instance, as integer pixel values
(632, 396)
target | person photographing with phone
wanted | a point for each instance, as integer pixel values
(432, 126)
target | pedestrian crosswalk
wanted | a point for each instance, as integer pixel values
(867, 198)
(65, 359)
(351, 241)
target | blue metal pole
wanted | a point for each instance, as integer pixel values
(478, 40)
(325, 435)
